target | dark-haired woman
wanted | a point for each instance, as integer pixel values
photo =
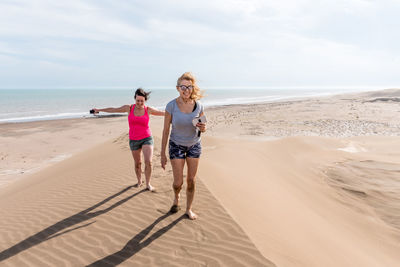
(140, 138)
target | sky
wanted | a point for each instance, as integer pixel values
(225, 43)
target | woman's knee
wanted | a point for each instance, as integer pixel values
(138, 164)
(148, 164)
(191, 184)
(177, 186)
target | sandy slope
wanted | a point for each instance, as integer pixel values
(84, 211)
(26, 148)
(313, 182)
(292, 197)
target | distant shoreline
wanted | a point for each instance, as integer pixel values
(209, 102)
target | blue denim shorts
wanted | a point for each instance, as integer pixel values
(137, 144)
(182, 152)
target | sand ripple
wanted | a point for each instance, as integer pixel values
(86, 212)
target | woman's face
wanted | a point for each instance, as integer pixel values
(140, 100)
(185, 89)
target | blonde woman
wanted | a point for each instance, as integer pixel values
(184, 140)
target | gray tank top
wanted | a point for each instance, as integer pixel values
(183, 132)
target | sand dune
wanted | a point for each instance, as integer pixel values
(26, 148)
(84, 211)
(298, 201)
(312, 182)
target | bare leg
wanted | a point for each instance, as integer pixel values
(148, 157)
(192, 164)
(138, 165)
(177, 169)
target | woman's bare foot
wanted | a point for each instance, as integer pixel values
(191, 215)
(150, 188)
(139, 184)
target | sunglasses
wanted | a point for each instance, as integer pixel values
(184, 87)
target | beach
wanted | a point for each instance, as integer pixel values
(306, 182)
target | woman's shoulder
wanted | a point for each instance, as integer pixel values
(171, 104)
(149, 108)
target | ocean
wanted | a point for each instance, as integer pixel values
(22, 105)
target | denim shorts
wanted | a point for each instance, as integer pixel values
(182, 152)
(137, 144)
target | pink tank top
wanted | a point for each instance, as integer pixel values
(138, 125)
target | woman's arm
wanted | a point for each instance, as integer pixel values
(124, 108)
(156, 112)
(165, 135)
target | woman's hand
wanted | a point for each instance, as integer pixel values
(96, 111)
(163, 160)
(201, 126)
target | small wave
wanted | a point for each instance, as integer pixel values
(46, 117)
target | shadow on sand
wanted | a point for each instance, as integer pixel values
(137, 243)
(57, 228)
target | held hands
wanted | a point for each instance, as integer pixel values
(201, 126)
(200, 123)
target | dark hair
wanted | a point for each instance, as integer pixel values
(143, 93)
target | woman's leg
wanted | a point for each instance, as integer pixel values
(138, 165)
(192, 166)
(177, 170)
(148, 158)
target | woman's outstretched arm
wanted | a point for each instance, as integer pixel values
(124, 108)
(155, 112)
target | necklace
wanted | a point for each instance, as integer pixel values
(186, 101)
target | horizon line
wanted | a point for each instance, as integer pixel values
(205, 87)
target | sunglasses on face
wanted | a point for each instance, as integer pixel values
(184, 87)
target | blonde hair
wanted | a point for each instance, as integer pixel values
(197, 93)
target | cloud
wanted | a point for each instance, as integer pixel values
(71, 19)
(259, 42)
